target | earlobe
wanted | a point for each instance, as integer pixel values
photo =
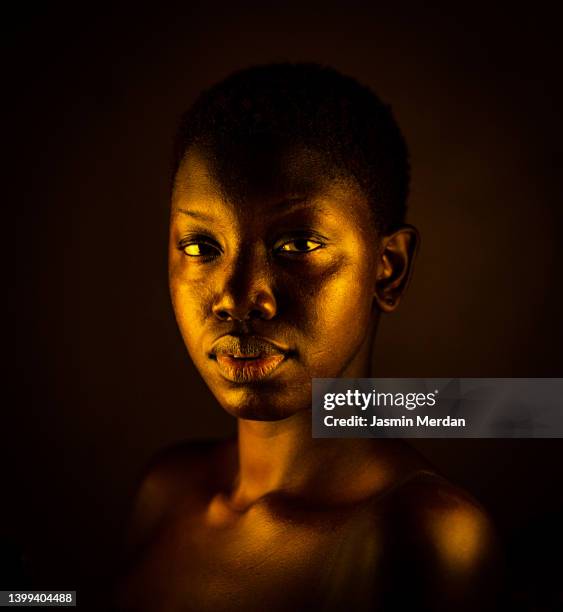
(395, 266)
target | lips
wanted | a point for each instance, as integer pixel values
(246, 358)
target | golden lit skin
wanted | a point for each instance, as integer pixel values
(273, 283)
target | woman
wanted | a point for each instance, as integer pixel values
(287, 243)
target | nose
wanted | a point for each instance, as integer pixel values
(246, 289)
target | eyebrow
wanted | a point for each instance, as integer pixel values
(195, 214)
(286, 206)
(283, 206)
(290, 203)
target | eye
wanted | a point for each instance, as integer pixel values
(299, 246)
(199, 248)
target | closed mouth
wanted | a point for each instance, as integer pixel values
(246, 358)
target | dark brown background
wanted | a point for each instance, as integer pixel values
(100, 378)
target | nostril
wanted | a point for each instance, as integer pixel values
(255, 314)
(261, 306)
(223, 315)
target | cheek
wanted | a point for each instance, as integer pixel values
(337, 307)
(190, 299)
(345, 307)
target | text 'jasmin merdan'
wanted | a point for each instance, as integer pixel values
(410, 401)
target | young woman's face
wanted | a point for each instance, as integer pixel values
(275, 286)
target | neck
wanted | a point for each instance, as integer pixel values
(283, 456)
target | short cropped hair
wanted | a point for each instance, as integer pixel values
(310, 105)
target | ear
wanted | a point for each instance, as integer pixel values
(394, 266)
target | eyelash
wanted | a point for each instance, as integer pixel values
(204, 240)
(312, 239)
(199, 240)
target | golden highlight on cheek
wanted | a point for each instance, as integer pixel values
(192, 299)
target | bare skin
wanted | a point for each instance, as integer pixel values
(270, 291)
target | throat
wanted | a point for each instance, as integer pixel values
(282, 457)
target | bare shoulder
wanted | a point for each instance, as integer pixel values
(450, 542)
(446, 512)
(175, 476)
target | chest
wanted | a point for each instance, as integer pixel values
(260, 562)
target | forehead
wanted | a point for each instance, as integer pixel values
(263, 176)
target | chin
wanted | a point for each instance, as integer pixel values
(261, 403)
